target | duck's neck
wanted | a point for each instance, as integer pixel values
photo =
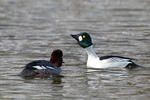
(91, 53)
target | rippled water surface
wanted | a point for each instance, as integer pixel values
(32, 29)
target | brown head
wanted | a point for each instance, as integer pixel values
(57, 58)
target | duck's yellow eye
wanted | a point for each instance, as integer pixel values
(83, 36)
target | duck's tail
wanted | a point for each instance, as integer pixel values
(132, 66)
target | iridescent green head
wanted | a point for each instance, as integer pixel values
(83, 39)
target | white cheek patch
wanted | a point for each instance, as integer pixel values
(80, 38)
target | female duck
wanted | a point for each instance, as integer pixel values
(44, 68)
(93, 61)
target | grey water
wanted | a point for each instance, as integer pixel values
(32, 29)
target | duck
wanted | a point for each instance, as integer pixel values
(44, 68)
(95, 61)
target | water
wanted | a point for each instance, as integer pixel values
(32, 29)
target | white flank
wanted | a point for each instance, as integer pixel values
(93, 60)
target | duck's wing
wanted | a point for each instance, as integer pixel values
(40, 67)
(115, 58)
(119, 59)
(47, 70)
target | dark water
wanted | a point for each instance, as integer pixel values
(32, 29)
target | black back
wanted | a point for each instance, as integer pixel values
(107, 57)
(39, 63)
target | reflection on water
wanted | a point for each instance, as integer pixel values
(32, 29)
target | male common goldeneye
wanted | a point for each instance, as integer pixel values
(43, 67)
(93, 61)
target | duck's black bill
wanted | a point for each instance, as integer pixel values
(75, 37)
